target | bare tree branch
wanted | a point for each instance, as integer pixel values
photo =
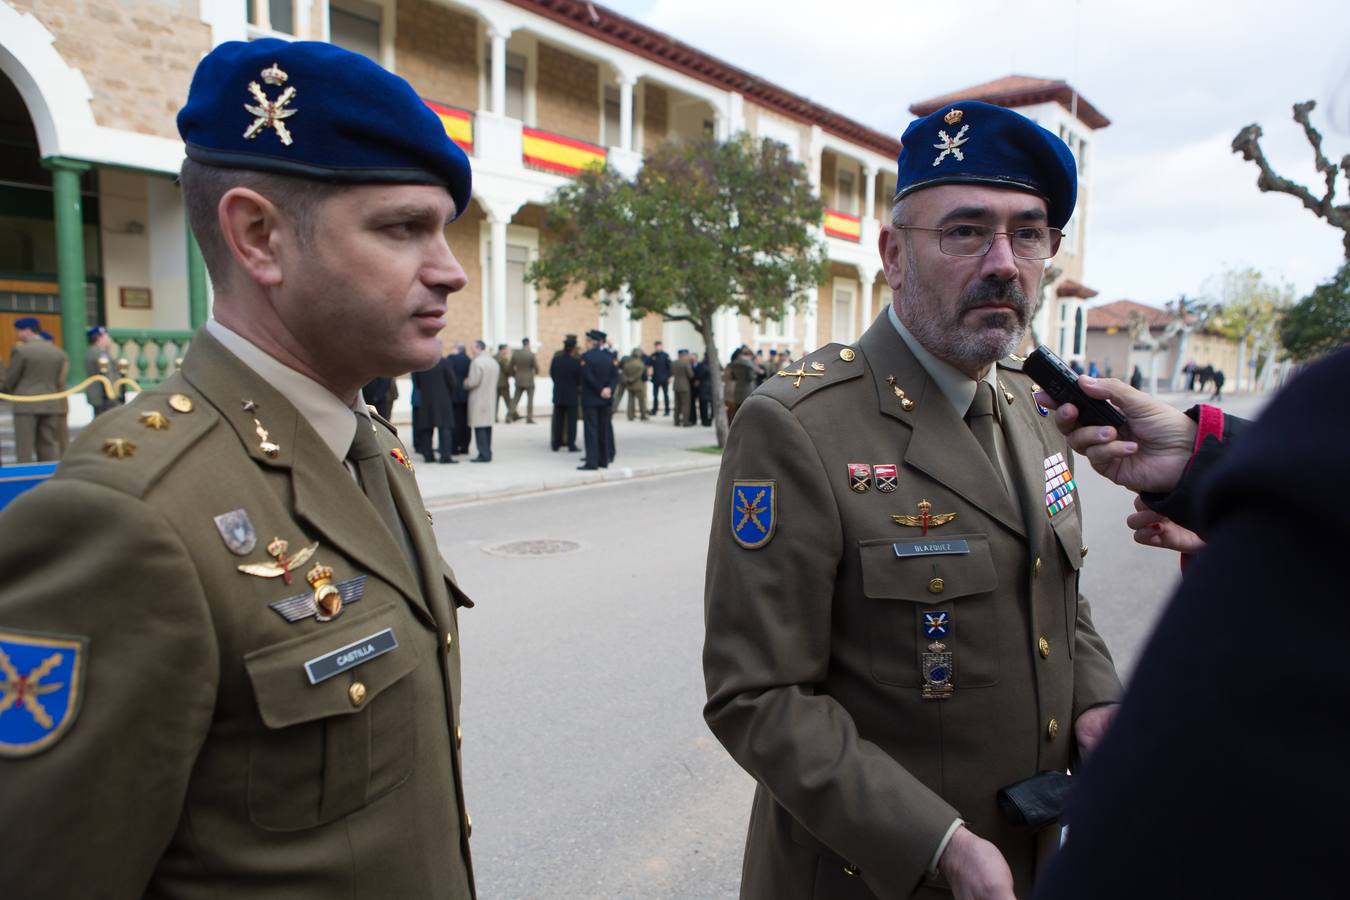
(1302, 112)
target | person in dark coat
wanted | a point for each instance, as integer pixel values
(1137, 379)
(459, 364)
(1217, 396)
(436, 390)
(1227, 751)
(659, 366)
(599, 378)
(565, 372)
(703, 392)
(381, 394)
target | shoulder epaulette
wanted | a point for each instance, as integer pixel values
(830, 365)
(130, 449)
(1012, 363)
(374, 414)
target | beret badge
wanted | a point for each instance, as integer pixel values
(269, 113)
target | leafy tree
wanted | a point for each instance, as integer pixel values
(1247, 309)
(1248, 143)
(1320, 322)
(704, 227)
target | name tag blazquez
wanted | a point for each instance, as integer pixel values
(931, 548)
(350, 656)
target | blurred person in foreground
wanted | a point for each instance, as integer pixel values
(1226, 757)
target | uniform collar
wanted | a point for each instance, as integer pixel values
(955, 385)
(330, 418)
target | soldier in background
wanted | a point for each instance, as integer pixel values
(682, 374)
(37, 366)
(599, 377)
(524, 366)
(503, 359)
(565, 372)
(634, 370)
(703, 390)
(659, 366)
(98, 360)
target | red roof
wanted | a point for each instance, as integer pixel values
(1070, 288)
(1119, 313)
(606, 25)
(1020, 90)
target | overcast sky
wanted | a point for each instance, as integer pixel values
(1171, 204)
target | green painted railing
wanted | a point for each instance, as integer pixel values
(151, 355)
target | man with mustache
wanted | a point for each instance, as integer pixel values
(894, 630)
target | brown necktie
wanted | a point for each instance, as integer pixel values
(368, 456)
(982, 423)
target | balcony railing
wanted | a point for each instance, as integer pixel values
(152, 355)
(560, 155)
(843, 226)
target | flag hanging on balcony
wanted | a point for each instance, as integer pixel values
(842, 225)
(559, 154)
(458, 124)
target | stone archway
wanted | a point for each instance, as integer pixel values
(57, 96)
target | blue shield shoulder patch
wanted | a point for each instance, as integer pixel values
(41, 687)
(754, 512)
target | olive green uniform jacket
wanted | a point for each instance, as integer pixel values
(98, 361)
(203, 763)
(815, 640)
(37, 367)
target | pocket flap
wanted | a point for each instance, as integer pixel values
(889, 576)
(1069, 531)
(282, 686)
(456, 595)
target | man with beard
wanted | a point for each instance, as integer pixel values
(894, 630)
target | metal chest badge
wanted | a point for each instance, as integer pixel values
(41, 687)
(326, 601)
(936, 624)
(885, 477)
(269, 113)
(236, 530)
(937, 672)
(754, 512)
(1059, 485)
(859, 477)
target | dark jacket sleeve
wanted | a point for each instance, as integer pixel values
(1180, 504)
(1227, 751)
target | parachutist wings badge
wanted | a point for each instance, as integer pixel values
(284, 564)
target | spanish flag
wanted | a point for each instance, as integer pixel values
(842, 225)
(458, 124)
(555, 153)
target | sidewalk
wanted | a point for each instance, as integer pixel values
(522, 462)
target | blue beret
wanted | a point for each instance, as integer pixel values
(28, 323)
(95, 332)
(978, 143)
(314, 110)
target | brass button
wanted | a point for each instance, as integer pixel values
(180, 403)
(936, 586)
(847, 356)
(468, 824)
(1037, 567)
(357, 693)
(459, 737)
(449, 640)
(1052, 729)
(1082, 553)
(851, 870)
(1044, 646)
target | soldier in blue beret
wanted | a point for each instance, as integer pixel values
(236, 634)
(37, 368)
(894, 631)
(98, 360)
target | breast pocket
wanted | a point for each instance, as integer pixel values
(1068, 529)
(913, 601)
(329, 748)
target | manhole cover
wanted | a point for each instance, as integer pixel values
(540, 547)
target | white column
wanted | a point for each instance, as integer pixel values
(625, 113)
(498, 74)
(869, 193)
(498, 222)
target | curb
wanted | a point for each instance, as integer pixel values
(604, 476)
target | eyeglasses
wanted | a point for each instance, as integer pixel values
(964, 239)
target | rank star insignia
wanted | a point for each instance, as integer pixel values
(885, 478)
(41, 687)
(269, 113)
(284, 564)
(951, 145)
(859, 477)
(925, 519)
(156, 421)
(754, 512)
(119, 448)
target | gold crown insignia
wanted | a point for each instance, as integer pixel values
(273, 75)
(950, 118)
(319, 575)
(276, 547)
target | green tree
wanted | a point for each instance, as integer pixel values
(1320, 322)
(704, 227)
(1247, 309)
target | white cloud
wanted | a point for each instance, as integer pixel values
(1171, 204)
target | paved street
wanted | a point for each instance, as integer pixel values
(589, 770)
